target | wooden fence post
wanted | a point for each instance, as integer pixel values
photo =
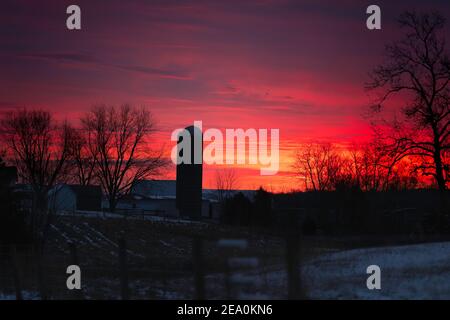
(264, 266)
(73, 253)
(228, 245)
(37, 253)
(15, 265)
(292, 257)
(124, 290)
(41, 282)
(199, 274)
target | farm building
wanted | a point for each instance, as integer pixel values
(158, 205)
(8, 176)
(159, 197)
(154, 188)
(65, 197)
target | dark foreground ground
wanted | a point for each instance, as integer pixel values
(158, 261)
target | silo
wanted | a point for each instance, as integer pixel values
(189, 175)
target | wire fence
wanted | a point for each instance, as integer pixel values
(191, 264)
(206, 269)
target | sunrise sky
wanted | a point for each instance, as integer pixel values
(298, 66)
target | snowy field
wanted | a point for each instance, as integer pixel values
(26, 295)
(407, 272)
(159, 257)
(412, 272)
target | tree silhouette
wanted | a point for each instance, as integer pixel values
(39, 149)
(82, 159)
(320, 166)
(118, 141)
(226, 180)
(418, 66)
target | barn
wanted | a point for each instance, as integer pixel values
(159, 197)
(65, 197)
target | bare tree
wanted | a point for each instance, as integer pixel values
(118, 140)
(320, 166)
(373, 165)
(419, 67)
(39, 148)
(226, 181)
(83, 159)
(367, 167)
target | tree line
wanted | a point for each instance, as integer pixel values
(110, 146)
(366, 167)
(410, 142)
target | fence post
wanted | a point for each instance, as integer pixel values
(73, 253)
(199, 274)
(124, 290)
(264, 266)
(228, 245)
(292, 257)
(15, 265)
(164, 284)
(78, 293)
(40, 274)
(228, 289)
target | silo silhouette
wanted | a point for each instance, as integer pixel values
(189, 177)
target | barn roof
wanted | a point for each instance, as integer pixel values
(79, 190)
(164, 189)
(155, 188)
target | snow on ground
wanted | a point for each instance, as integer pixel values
(110, 215)
(89, 235)
(420, 271)
(60, 232)
(26, 295)
(407, 272)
